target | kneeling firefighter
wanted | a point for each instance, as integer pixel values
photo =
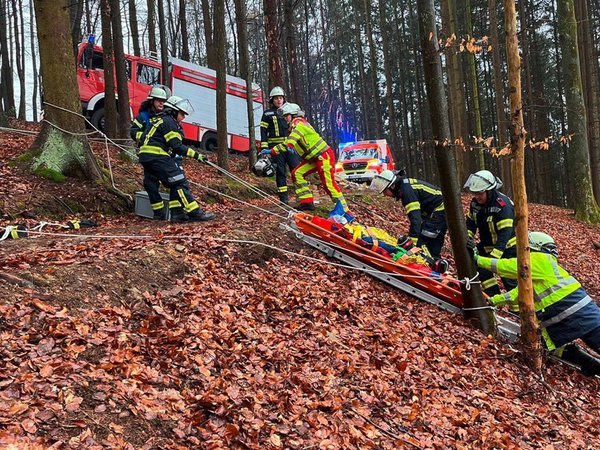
(562, 306)
(424, 206)
(161, 142)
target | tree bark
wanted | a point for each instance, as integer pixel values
(499, 98)
(76, 14)
(164, 49)
(529, 325)
(586, 208)
(6, 78)
(240, 20)
(208, 35)
(590, 81)
(374, 73)
(34, 69)
(446, 164)
(133, 24)
(59, 153)
(19, 54)
(152, 27)
(222, 151)
(185, 42)
(290, 34)
(389, 82)
(110, 101)
(124, 113)
(273, 48)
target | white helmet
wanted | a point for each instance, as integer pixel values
(290, 108)
(382, 181)
(263, 168)
(179, 104)
(339, 219)
(542, 242)
(482, 181)
(159, 92)
(275, 92)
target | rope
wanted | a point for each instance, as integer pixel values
(469, 281)
(478, 308)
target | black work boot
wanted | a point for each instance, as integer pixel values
(159, 215)
(178, 215)
(199, 215)
(306, 206)
(283, 197)
(590, 366)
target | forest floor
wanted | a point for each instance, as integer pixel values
(170, 337)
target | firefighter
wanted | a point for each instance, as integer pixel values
(315, 156)
(162, 140)
(273, 131)
(424, 206)
(151, 106)
(492, 213)
(564, 309)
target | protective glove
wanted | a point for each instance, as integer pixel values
(497, 300)
(472, 249)
(201, 157)
(405, 242)
(265, 151)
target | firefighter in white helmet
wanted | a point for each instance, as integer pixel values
(564, 309)
(316, 157)
(161, 141)
(492, 213)
(273, 131)
(424, 207)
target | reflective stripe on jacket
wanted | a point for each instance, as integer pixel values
(420, 200)
(164, 137)
(273, 129)
(562, 306)
(303, 139)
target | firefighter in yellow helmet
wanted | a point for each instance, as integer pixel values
(316, 156)
(273, 131)
(564, 309)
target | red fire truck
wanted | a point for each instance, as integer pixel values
(197, 83)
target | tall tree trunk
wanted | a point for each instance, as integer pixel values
(219, 43)
(590, 81)
(19, 54)
(586, 208)
(389, 82)
(152, 27)
(6, 78)
(133, 24)
(499, 96)
(240, 20)
(110, 102)
(76, 14)
(185, 42)
(124, 121)
(374, 72)
(446, 164)
(34, 69)
(367, 131)
(275, 62)
(290, 32)
(529, 325)
(455, 89)
(473, 83)
(164, 49)
(208, 35)
(59, 153)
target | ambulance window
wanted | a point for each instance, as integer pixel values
(148, 74)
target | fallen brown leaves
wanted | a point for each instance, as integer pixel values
(190, 344)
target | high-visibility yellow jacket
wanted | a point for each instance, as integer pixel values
(303, 139)
(564, 309)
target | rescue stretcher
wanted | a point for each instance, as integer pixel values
(416, 280)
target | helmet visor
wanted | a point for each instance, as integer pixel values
(379, 184)
(184, 106)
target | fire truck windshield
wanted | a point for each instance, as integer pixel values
(359, 153)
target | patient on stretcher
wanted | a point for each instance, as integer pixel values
(400, 249)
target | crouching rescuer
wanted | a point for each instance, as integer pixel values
(316, 156)
(161, 142)
(563, 308)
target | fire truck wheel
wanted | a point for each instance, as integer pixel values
(209, 142)
(98, 119)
